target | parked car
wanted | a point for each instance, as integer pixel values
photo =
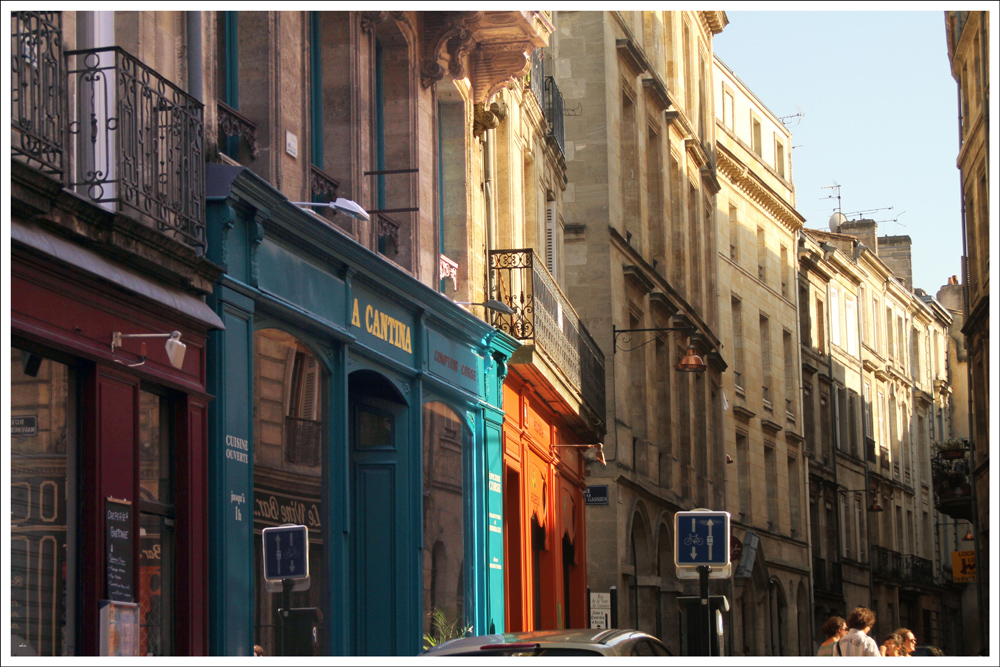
(925, 650)
(572, 642)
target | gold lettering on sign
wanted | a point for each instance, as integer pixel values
(384, 327)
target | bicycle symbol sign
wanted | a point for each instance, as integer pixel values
(701, 537)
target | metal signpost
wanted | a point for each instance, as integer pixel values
(701, 549)
(286, 568)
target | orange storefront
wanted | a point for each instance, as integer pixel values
(544, 539)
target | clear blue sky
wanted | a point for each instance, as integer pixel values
(881, 119)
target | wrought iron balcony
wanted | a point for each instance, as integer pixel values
(38, 92)
(952, 487)
(232, 126)
(917, 571)
(535, 80)
(887, 564)
(554, 114)
(543, 316)
(139, 143)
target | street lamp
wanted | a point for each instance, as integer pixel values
(492, 304)
(689, 363)
(340, 205)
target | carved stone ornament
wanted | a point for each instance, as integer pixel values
(488, 119)
(448, 40)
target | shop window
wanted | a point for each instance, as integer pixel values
(444, 536)
(157, 516)
(288, 427)
(42, 557)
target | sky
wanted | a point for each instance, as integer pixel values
(880, 118)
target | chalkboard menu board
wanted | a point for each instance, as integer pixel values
(118, 540)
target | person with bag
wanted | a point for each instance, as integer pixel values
(834, 628)
(857, 642)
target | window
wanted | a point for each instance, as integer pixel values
(761, 255)
(771, 470)
(834, 316)
(43, 467)
(850, 315)
(791, 388)
(820, 325)
(737, 307)
(779, 156)
(734, 234)
(794, 500)
(785, 278)
(743, 461)
(755, 135)
(727, 109)
(289, 423)
(654, 188)
(629, 165)
(444, 441)
(552, 236)
(765, 359)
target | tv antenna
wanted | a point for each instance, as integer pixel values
(836, 196)
(869, 211)
(796, 117)
(894, 220)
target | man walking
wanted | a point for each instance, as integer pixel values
(857, 642)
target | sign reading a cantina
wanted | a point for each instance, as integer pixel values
(382, 326)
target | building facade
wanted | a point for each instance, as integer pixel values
(639, 253)
(756, 231)
(109, 476)
(878, 352)
(968, 35)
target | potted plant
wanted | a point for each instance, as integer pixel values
(951, 449)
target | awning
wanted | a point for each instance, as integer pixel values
(91, 262)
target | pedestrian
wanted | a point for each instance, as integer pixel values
(834, 628)
(908, 642)
(258, 651)
(857, 642)
(891, 645)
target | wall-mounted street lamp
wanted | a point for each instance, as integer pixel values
(175, 348)
(689, 363)
(492, 304)
(340, 205)
(600, 451)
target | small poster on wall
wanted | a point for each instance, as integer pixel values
(119, 628)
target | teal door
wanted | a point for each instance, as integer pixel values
(378, 435)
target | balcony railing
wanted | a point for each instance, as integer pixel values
(952, 487)
(139, 143)
(554, 113)
(38, 91)
(917, 571)
(544, 316)
(535, 81)
(887, 564)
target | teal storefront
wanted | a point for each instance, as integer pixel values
(354, 400)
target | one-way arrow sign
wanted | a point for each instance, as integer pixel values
(701, 537)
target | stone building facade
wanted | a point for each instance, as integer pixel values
(968, 38)
(639, 253)
(756, 231)
(875, 381)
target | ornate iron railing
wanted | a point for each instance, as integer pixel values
(387, 230)
(302, 440)
(234, 124)
(535, 80)
(543, 315)
(38, 91)
(887, 564)
(140, 143)
(554, 113)
(952, 483)
(322, 186)
(917, 571)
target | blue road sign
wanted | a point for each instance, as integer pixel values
(286, 553)
(701, 537)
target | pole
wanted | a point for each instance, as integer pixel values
(614, 606)
(286, 604)
(703, 571)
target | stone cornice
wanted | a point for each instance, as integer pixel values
(631, 55)
(742, 177)
(714, 22)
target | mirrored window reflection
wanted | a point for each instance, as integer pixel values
(289, 423)
(156, 529)
(42, 445)
(444, 604)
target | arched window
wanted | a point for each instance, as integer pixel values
(289, 424)
(443, 445)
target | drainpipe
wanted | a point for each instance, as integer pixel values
(195, 65)
(805, 460)
(858, 249)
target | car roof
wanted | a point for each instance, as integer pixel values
(582, 636)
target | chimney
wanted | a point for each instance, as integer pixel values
(865, 230)
(895, 252)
